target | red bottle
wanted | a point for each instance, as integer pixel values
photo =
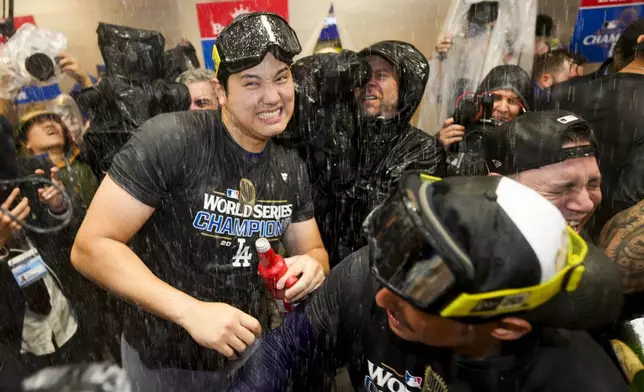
(271, 268)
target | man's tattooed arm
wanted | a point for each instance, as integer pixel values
(623, 240)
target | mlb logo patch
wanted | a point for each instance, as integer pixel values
(233, 194)
(413, 381)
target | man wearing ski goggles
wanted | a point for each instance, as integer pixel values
(438, 302)
(201, 303)
(244, 46)
(422, 265)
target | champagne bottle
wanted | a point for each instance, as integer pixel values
(629, 350)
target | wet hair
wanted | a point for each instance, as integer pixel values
(196, 75)
(222, 77)
(544, 26)
(625, 45)
(551, 62)
(576, 134)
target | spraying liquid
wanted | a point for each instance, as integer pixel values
(271, 268)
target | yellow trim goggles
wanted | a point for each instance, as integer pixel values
(413, 255)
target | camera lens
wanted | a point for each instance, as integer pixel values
(40, 66)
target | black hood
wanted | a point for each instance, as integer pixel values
(412, 68)
(509, 77)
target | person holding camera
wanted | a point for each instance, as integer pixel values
(39, 326)
(173, 225)
(510, 89)
(353, 129)
(42, 132)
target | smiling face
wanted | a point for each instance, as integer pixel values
(45, 134)
(379, 97)
(507, 105)
(258, 102)
(414, 325)
(572, 186)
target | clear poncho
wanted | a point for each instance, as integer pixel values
(475, 51)
(27, 41)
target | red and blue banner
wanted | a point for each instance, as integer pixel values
(600, 24)
(213, 17)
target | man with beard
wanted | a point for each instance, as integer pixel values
(437, 303)
(352, 127)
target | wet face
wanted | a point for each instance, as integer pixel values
(259, 101)
(414, 325)
(379, 98)
(45, 135)
(507, 105)
(572, 186)
(202, 95)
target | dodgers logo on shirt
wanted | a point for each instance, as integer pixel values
(235, 217)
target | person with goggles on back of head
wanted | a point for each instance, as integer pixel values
(437, 303)
(190, 193)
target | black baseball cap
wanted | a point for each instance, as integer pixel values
(535, 139)
(431, 243)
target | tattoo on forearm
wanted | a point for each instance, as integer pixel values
(623, 240)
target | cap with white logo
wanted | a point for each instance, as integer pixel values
(536, 139)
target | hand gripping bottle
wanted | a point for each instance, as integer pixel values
(271, 268)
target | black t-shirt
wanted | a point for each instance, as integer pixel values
(212, 200)
(342, 321)
(546, 360)
(614, 106)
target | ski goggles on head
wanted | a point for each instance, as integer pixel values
(412, 255)
(244, 43)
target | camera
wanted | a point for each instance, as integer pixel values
(133, 90)
(483, 13)
(474, 112)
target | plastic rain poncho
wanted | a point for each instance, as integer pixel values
(474, 52)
